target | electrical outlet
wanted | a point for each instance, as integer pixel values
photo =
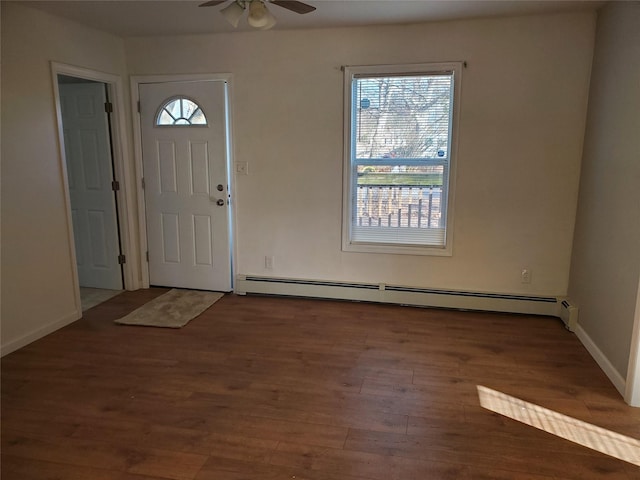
(268, 262)
(242, 168)
(525, 275)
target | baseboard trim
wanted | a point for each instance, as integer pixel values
(37, 334)
(402, 295)
(601, 359)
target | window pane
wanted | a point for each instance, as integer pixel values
(402, 116)
(165, 118)
(386, 199)
(188, 107)
(174, 108)
(198, 118)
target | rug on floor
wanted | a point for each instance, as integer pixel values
(173, 309)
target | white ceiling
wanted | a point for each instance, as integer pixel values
(171, 17)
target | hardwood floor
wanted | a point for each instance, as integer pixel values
(90, 297)
(276, 388)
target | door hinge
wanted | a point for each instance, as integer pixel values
(122, 259)
(147, 256)
(139, 106)
(115, 185)
(142, 182)
(108, 107)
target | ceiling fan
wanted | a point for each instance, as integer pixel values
(259, 16)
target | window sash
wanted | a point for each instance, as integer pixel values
(409, 162)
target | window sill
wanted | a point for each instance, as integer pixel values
(396, 249)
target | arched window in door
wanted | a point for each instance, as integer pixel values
(180, 112)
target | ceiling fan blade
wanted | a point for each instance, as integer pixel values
(294, 6)
(212, 3)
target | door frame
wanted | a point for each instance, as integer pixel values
(632, 387)
(135, 82)
(122, 171)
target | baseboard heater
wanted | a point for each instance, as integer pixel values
(569, 315)
(382, 293)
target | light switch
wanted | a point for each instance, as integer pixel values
(242, 168)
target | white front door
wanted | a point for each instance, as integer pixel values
(90, 175)
(184, 153)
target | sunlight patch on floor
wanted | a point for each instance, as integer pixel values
(585, 434)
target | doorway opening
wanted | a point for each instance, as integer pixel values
(92, 140)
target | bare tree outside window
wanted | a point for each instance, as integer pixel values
(403, 117)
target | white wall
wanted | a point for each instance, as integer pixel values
(524, 99)
(523, 109)
(605, 266)
(37, 275)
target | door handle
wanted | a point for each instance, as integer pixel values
(220, 202)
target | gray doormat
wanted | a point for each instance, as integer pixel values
(173, 309)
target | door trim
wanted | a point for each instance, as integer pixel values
(122, 171)
(135, 82)
(632, 393)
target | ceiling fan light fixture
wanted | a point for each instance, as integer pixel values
(232, 13)
(260, 16)
(271, 21)
(270, 24)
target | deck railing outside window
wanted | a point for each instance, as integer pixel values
(399, 206)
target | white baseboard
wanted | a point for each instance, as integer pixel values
(37, 334)
(381, 293)
(607, 367)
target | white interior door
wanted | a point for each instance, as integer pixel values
(90, 175)
(186, 184)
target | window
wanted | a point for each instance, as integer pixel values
(399, 158)
(180, 112)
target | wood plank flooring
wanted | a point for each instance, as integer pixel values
(277, 388)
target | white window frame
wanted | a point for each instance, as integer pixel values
(352, 72)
